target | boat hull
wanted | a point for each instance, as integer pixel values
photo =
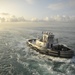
(51, 52)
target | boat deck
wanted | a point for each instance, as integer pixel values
(58, 50)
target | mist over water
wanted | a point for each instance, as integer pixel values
(16, 58)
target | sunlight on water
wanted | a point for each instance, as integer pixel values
(16, 58)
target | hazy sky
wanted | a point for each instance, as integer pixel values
(37, 8)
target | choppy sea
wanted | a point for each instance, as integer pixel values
(16, 58)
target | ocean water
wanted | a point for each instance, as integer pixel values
(16, 58)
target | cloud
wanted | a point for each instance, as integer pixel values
(62, 18)
(5, 17)
(15, 19)
(62, 5)
(21, 19)
(56, 18)
(4, 14)
(56, 6)
(2, 19)
(46, 19)
(30, 1)
(34, 19)
(12, 19)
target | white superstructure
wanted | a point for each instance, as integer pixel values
(46, 41)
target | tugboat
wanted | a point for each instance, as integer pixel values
(49, 46)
